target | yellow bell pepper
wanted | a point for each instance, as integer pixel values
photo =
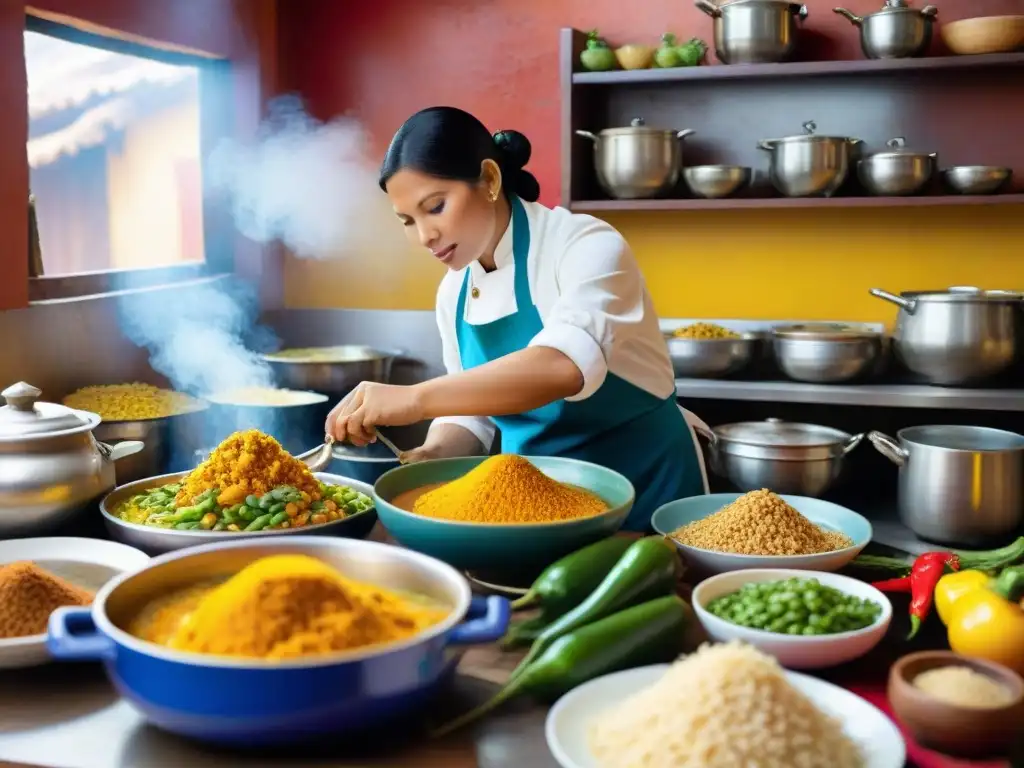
(953, 586)
(988, 623)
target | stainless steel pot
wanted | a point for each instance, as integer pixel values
(785, 457)
(711, 358)
(754, 31)
(332, 371)
(898, 171)
(957, 336)
(957, 485)
(637, 162)
(51, 466)
(895, 32)
(810, 165)
(169, 441)
(823, 353)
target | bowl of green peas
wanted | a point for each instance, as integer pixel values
(805, 619)
(143, 514)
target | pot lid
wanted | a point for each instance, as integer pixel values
(25, 416)
(779, 433)
(896, 6)
(825, 332)
(964, 294)
(636, 126)
(809, 135)
(897, 147)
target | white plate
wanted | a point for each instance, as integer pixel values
(88, 563)
(569, 720)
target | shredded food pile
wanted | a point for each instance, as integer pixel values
(760, 523)
(704, 331)
(725, 706)
(131, 402)
(29, 594)
(508, 489)
(248, 463)
(284, 606)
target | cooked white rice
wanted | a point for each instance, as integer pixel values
(725, 706)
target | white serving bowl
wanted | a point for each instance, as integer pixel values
(793, 651)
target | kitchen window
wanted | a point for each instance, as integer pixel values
(117, 136)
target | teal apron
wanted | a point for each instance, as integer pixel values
(620, 426)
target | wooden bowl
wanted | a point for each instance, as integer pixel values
(961, 731)
(985, 34)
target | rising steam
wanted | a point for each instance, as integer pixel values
(303, 182)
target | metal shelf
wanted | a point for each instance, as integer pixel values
(871, 395)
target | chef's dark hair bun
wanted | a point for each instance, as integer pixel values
(450, 143)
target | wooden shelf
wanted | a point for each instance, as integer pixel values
(689, 204)
(797, 69)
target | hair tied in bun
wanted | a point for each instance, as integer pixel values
(515, 147)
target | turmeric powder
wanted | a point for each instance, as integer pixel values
(285, 606)
(508, 489)
(248, 463)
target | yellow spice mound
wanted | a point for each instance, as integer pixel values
(724, 706)
(704, 331)
(286, 606)
(507, 489)
(760, 523)
(247, 463)
(131, 402)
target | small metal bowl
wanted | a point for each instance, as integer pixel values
(713, 182)
(711, 358)
(158, 541)
(976, 179)
(827, 354)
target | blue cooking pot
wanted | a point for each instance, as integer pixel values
(249, 702)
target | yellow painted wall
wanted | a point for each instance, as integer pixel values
(772, 264)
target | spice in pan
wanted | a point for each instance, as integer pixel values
(508, 489)
(760, 523)
(286, 606)
(29, 594)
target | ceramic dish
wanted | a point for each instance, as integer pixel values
(962, 731)
(158, 541)
(255, 702)
(568, 721)
(87, 563)
(825, 514)
(794, 652)
(497, 547)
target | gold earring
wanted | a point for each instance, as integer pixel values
(493, 197)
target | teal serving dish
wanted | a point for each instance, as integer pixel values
(672, 516)
(501, 547)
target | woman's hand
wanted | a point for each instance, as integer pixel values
(372, 405)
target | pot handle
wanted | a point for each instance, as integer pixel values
(854, 18)
(798, 10)
(768, 144)
(888, 447)
(684, 133)
(587, 135)
(709, 8)
(72, 635)
(930, 11)
(852, 443)
(121, 450)
(909, 305)
(486, 621)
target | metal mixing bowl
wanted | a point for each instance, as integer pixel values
(716, 181)
(711, 358)
(976, 179)
(822, 354)
(160, 540)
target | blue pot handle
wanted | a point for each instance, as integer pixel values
(73, 636)
(485, 622)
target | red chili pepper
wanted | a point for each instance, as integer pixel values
(902, 584)
(924, 575)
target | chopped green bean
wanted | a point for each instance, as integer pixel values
(259, 523)
(248, 514)
(187, 526)
(277, 519)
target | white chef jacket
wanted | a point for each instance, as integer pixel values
(591, 297)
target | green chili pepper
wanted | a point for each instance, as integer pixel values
(259, 523)
(647, 569)
(523, 632)
(649, 633)
(277, 519)
(566, 583)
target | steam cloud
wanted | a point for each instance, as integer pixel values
(305, 183)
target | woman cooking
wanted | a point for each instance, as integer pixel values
(547, 328)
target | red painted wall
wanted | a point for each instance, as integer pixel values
(499, 58)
